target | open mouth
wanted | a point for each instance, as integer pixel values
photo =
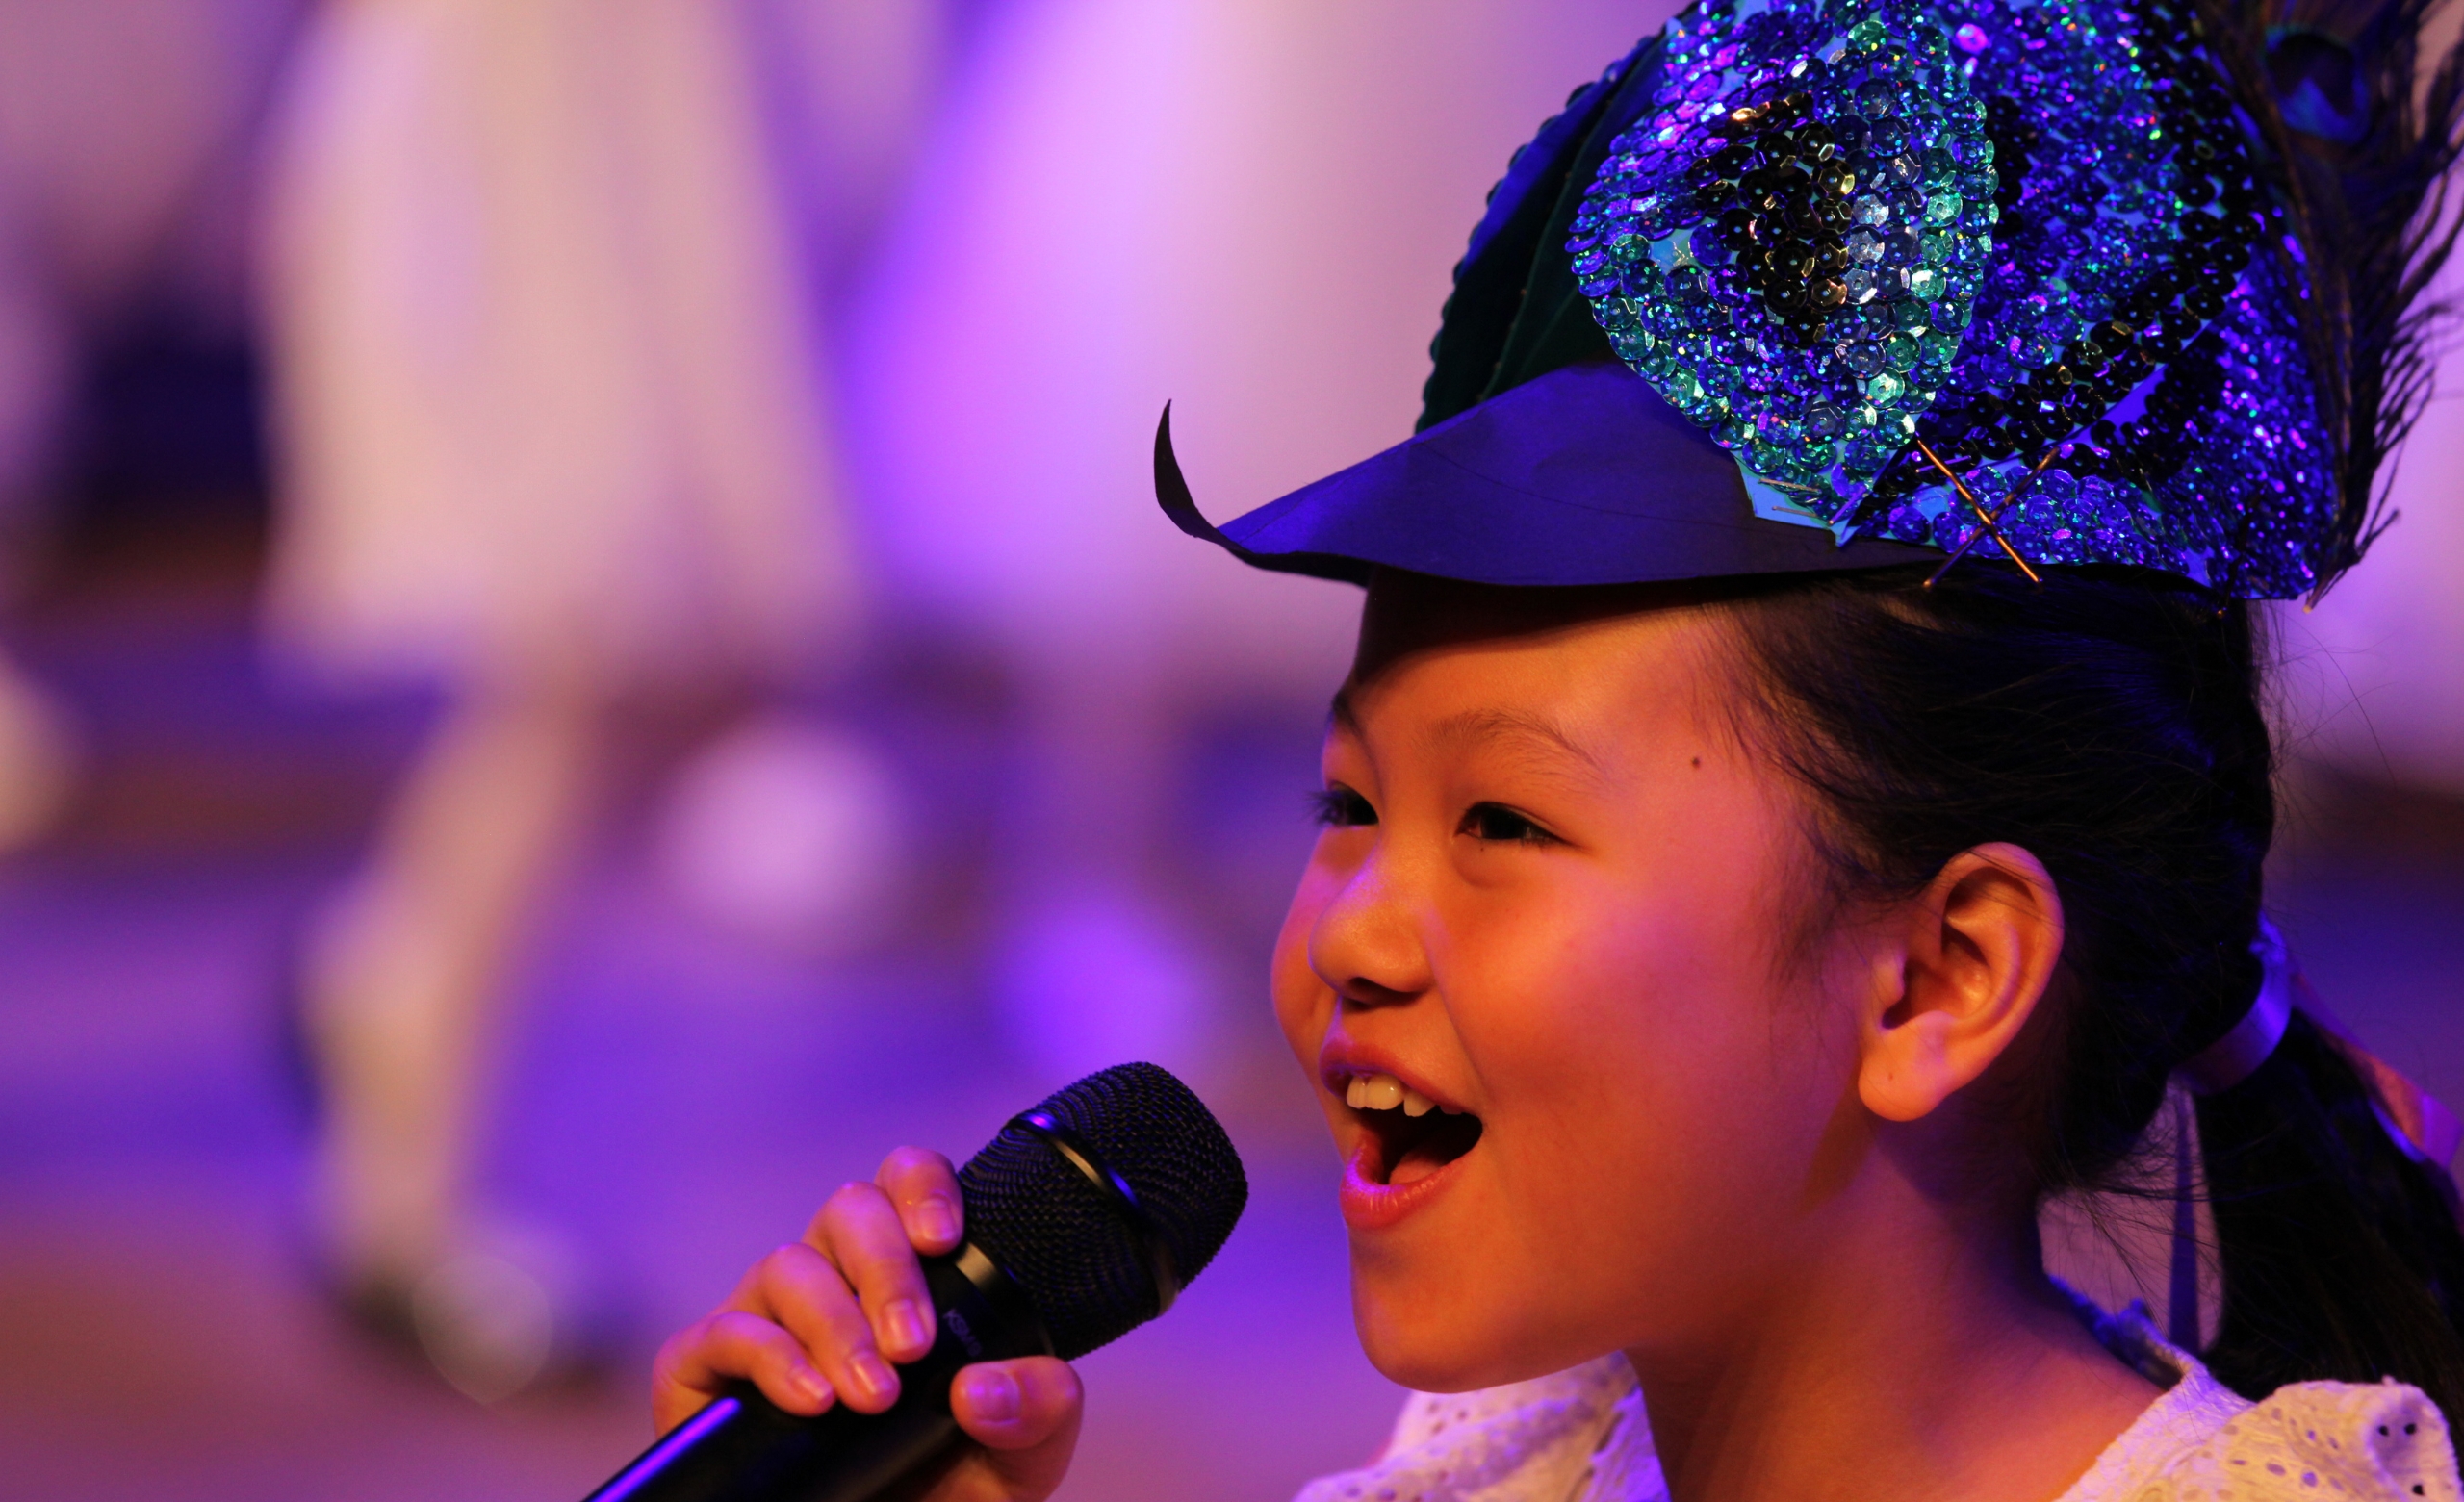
(1409, 1135)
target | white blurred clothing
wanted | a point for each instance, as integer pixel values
(548, 376)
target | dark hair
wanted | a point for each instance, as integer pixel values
(2110, 724)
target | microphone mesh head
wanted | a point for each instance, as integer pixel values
(1065, 1241)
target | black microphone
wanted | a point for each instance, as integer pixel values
(1085, 1218)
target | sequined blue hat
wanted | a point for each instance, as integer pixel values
(1806, 284)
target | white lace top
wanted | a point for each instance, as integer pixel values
(1579, 1436)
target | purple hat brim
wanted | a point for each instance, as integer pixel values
(1584, 475)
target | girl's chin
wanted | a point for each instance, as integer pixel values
(1414, 1360)
(1437, 1315)
(1419, 1351)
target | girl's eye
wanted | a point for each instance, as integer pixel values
(1339, 807)
(1498, 824)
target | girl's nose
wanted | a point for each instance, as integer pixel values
(1366, 944)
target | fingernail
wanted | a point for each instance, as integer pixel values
(906, 1329)
(873, 1375)
(938, 1219)
(992, 1394)
(812, 1384)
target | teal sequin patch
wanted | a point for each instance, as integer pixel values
(1783, 246)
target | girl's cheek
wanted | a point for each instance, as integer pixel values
(1303, 1002)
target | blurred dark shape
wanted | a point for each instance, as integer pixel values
(165, 444)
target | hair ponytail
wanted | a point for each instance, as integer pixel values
(2340, 1253)
(2112, 727)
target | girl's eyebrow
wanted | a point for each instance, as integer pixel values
(1536, 731)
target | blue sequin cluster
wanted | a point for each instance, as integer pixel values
(1971, 272)
(2246, 504)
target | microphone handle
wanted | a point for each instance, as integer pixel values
(744, 1449)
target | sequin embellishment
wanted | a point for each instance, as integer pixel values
(1758, 246)
(2024, 232)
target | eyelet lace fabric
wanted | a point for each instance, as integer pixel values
(1577, 1435)
(1580, 1435)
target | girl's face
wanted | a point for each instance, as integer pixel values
(1554, 903)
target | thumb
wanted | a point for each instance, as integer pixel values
(1025, 1416)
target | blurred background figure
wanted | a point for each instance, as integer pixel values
(1248, 208)
(556, 436)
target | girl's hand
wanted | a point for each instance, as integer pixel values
(821, 1320)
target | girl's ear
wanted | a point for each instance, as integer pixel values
(1975, 952)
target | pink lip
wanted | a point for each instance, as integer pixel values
(1369, 1205)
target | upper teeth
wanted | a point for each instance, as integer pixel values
(1385, 1092)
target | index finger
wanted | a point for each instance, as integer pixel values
(925, 1190)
